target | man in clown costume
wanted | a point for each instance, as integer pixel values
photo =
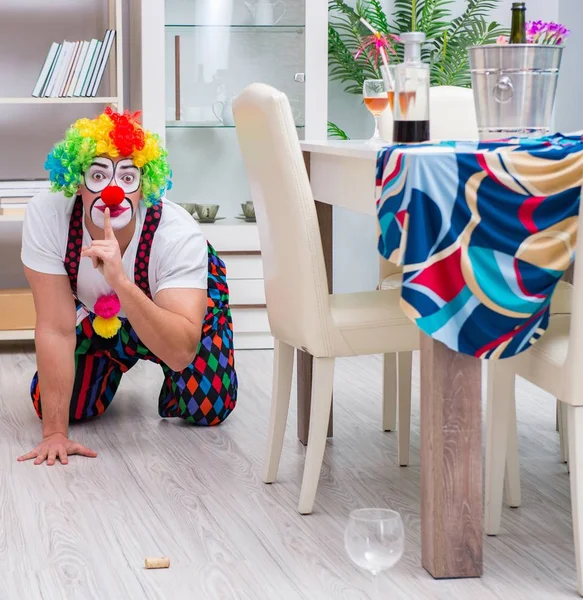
(118, 275)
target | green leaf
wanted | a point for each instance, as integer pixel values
(335, 132)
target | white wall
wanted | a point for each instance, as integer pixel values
(568, 113)
(355, 253)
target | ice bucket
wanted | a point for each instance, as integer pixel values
(514, 88)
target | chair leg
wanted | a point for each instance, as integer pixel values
(575, 419)
(500, 396)
(563, 431)
(512, 477)
(389, 392)
(404, 362)
(322, 383)
(283, 364)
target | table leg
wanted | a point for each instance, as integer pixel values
(304, 362)
(451, 462)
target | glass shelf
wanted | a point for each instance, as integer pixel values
(275, 27)
(186, 125)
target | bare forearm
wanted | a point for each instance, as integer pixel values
(171, 337)
(56, 369)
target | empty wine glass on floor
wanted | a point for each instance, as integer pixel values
(376, 99)
(374, 540)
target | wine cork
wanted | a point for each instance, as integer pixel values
(157, 562)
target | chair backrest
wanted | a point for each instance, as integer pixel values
(452, 113)
(291, 247)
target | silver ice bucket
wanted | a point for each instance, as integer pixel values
(514, 88)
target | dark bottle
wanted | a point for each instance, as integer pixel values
(518, 31)
(411, 102)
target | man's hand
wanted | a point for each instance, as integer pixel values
(56, 446)
(106, 256)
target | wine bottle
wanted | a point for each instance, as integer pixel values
(518, 31)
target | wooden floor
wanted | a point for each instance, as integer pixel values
(161, 488)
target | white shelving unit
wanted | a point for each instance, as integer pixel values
(105, 100)
(116, 84)
(221, 51)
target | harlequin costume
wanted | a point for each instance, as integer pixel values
(166, 251)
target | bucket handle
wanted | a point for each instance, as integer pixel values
(504, 90)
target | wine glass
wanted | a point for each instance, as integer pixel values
(374, 540)
(376, 99)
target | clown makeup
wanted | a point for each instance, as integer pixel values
(103, 175)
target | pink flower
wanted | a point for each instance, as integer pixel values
(502, 39)
(541, 32)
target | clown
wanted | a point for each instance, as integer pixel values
(119, 275)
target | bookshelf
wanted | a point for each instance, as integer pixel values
(15, 329)
(112, 100)
(115, 67)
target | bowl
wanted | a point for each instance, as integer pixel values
(189, 208)
(207, 212)
(248, 210)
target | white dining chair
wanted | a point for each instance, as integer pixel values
(553, 364)
(453, 117)
(301, 311)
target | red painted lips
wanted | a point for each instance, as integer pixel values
(114, 211)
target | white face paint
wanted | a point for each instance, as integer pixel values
(124, 174)
(120, 215)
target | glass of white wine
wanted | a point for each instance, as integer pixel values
(375, 540)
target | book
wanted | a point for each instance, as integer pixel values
(91, 69)
(78, 67)
(104, 62)
(75, 69)
(85, 67)
(62, 67)
(52, 74)
(46, 68)
(73, 55)
(104, 55)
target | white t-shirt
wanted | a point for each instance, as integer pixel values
(178, 258)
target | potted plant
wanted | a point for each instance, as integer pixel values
(353, 55)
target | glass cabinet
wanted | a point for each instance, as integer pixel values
(203, 53)
(213, 50)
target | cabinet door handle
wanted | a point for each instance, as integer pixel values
(300, 77)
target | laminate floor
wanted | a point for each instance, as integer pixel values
(162, 488)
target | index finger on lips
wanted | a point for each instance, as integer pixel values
(107, 227)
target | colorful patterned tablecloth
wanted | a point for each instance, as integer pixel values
(484, 232)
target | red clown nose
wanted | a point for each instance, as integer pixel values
(112, 195)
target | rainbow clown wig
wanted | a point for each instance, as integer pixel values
(110, 134)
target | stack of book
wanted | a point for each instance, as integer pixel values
(74, 69)
(15, 195)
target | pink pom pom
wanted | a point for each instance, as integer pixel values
(107, 306)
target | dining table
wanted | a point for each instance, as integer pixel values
(348, 174)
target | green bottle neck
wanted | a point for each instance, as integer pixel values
(518, 31)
